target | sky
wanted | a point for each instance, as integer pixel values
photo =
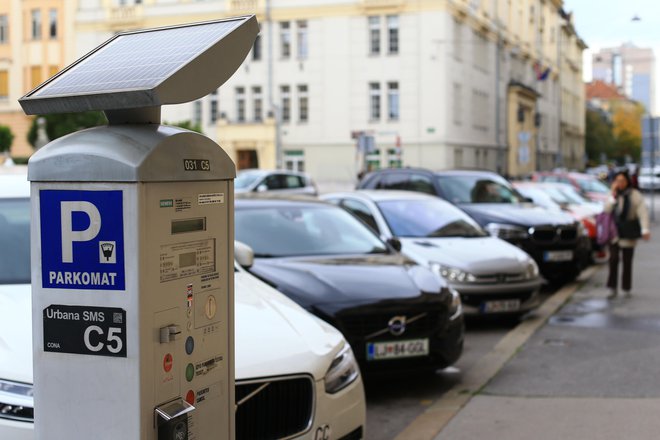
(609, 23)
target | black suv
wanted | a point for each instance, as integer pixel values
(556, 241)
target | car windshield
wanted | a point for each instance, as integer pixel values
(540, 197)
(246, 179)
(14, 241)
(428, 218)
(593, 185)
(287, 231)
(572, 195)
(477, 189)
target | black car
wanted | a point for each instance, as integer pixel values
(396, 314)
(558, 243)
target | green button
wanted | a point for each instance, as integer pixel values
(190, 372)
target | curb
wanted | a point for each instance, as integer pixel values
(432, 421)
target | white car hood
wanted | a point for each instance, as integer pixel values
(479, 256)
(274, 336)
(16, 332)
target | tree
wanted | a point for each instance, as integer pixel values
(627, 129)
(599, 137)
(188, 125)
(61, 124)
(6, 138)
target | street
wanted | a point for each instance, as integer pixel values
(589, 362)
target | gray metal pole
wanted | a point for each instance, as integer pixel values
(652, 128)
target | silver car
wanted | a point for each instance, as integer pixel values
(492, 276)
(276, 181)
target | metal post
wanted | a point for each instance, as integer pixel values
(652, 129)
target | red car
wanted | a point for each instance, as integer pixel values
(587, 185)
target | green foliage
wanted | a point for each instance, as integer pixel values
(61, 124)
(599, 136)
(6, 138)
(188, 125)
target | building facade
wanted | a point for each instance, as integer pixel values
(439, 84)
(631, 69)
(36, 41)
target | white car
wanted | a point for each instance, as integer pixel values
(491, 275)
(274, 182)
(298, 352)
(649, 178)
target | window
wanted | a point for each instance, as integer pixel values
(302, 44)
(256, 49)
(4, 29)
(394, 158)
(393, 34)
(393, 101)
(285, 93)
(240, 104)
(374, 35)
(458, 158)
(4, 84)
(394, 181)
(374, 101)
(36, 24)
(421, 183)
(458, 40)
(197, 112)
(303, 104)
(373, 160)
(285, 39)
(213, 108)
(257, 104)
(294, 160)
(361, 211)
(457, 99)
(35, 76)
(480, 110)
(481, 53)
(52, 23)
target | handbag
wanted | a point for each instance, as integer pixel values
(606, 230)
(629, 229)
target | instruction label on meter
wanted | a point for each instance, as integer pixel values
(187, 259)
(99, 331)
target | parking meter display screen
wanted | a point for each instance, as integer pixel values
(137, 61)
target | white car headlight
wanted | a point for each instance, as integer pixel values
(532, 270)
(456, 307)
(507, 232)
(16, 401)
(453, 274)
(342, 372)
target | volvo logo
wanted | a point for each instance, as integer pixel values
(397, 325)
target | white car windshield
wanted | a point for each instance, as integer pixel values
(246, 179)
(15, 241)
(287, 231)
(428, 218)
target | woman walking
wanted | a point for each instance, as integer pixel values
(632, 221)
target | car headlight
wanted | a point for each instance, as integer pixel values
(453, 274)
(456, 307)
(507, 232)
(16, 401)
(342, 372)
(532, 270)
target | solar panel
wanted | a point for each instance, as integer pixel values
(148, 68)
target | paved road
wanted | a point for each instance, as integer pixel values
(394, 403)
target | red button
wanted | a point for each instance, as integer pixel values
(190, 397)
(167, 363)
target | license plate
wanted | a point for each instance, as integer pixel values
(509, 305)
(400, 349)
(558, 256)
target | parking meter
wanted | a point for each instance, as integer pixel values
(132, 244)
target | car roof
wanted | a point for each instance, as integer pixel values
(14, 183)
(265, 200)
(380, 195)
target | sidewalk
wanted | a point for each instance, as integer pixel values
(591, 372)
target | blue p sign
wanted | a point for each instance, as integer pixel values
(82, 240)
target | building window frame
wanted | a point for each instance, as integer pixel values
(285, 39)
(374, 34)
(374, 101)
(4, 29)
(240, 104)
(294, 160)
(35, 20)
(52, 24)
(393, 101)
(285, 103)
(257, 104)
(302, 39)
(256, 49)
(303, 103)
(392, 34)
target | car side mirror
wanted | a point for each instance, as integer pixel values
(395, 243)
(243, 254)
(262, 188)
